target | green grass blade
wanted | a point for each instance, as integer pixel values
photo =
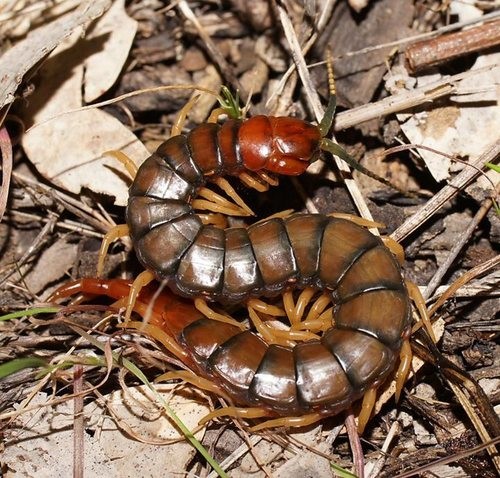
(15, 365)
(34, 311)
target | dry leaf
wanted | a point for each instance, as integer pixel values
(17, 61)
(40, 441)
(68, 149)
(74, 158)
(456, 129)
(115, 31)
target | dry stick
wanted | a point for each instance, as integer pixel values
(37, 244)
(212, 50)
(6, 150)
(236, 455)
(355, 442)
(77, 207)
(448, 28)
(444, 461)
(464, 279)
(453, 374)
(67, 224)
(394, 431)
(315, 104)
(461, 180)
(476, 420)
(428, 53)
(325, 15)
(464, 238)
(403, 101)
(78, 427)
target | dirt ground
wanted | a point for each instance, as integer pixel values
(417, 85)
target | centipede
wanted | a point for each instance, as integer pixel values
(290, 383)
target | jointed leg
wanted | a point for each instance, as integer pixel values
(129, 164)
(366, 408)
(193, 379)
(229, 190)
(141, 281)
(111, 236)
(215, 219)
(252, 181)
(405, 356)
(419, 302)
(210, 313)
(216, 203)
(235, 412)
(301, 421)
(181, 116)
(160, 335)
(395, 247)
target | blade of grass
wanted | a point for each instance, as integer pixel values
(24, 313)
(15, 365)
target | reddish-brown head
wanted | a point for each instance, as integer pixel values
(278, 144)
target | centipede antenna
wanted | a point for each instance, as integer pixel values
(337, 150)
(327, 121)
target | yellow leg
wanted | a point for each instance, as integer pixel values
(366, 409)
(158, 334)
(229, 190)
(267, 333)
(405, 356)
(215, 115)
(215, 219)
(272, 181)
(250, 180)
(264, 308)
(235, 412)
(216, 203)
(112, 235)
(129, 164)
(322, 323)
(289, 305)
(301, 421)
(142, 280)
(303, 301)
(181, 117)
(318, 307)
(419, 302)
(395, 247)
(360, 221)
(211, 314)
(193, 379)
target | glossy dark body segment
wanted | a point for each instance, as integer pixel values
(372, 309)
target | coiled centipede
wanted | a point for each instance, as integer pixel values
(372, 307)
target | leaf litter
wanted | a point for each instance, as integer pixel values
(66, 147)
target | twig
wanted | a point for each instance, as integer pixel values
(425, 54)
(464, 279)
(403, 101)
(354, 441)
(78, 426)
(462, 240)
(6, 150)
(461, 180)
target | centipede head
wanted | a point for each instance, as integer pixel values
(279, 144)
